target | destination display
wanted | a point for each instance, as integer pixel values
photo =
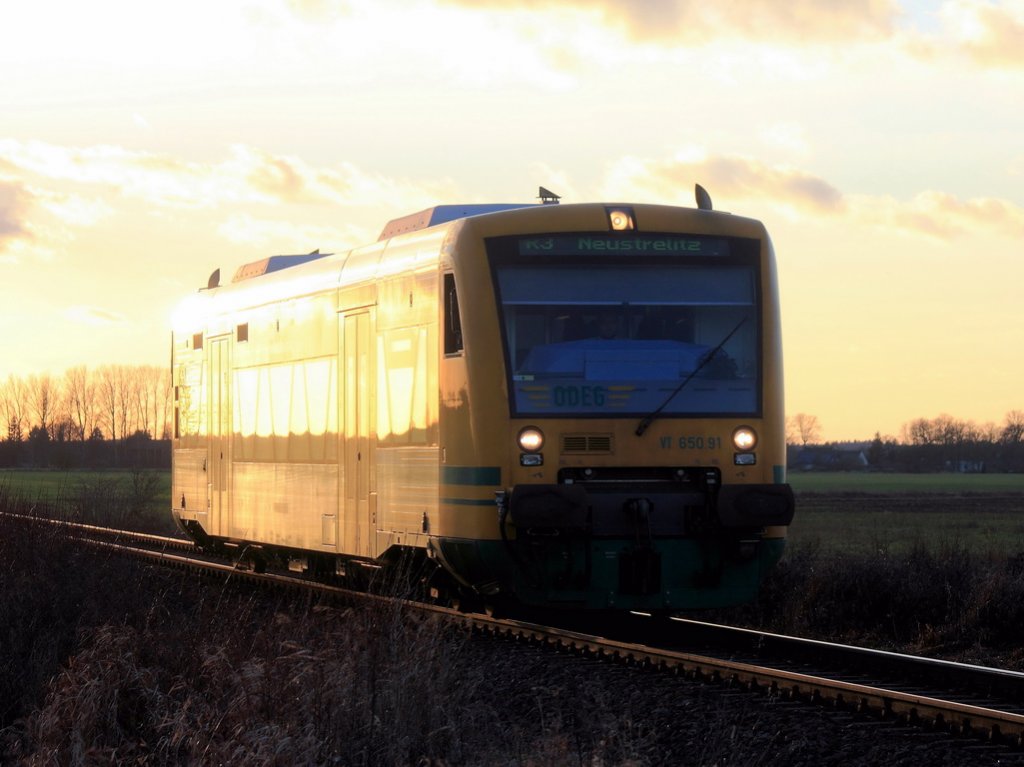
(596, 244)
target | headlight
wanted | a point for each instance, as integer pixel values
(744, 438)
(530, 439)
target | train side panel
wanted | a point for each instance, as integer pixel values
(309, 422)
(407, 407)
(285, 421)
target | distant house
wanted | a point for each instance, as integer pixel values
(840, 456)
(967, 467)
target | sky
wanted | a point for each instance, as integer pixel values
(881, 141)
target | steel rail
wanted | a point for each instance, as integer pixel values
(958, 717)
(955, 716)
(110, 532)
(983, 679)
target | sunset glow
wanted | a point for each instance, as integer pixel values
(142, 147)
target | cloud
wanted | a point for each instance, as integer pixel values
(246, 176)
(787, 136)
(320, 10)
(96, 316)
(289, 179)
(66, 199)
(990, 34)
(135, 174)
(160, 180)
(796, 193)
(763, 20)
(696, 21)
(15, 201)
(941, 215)
(726, 176)
(247, 230)
(74, 209)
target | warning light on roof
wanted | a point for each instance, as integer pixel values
(621, 220)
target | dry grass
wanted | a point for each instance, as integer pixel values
(107, 661)
(266, 699)
(177, 670)
(948, 600)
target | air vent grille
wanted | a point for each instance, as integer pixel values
(586, 443)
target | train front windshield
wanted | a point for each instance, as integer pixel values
(612, 325)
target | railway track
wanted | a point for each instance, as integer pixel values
(964, 700)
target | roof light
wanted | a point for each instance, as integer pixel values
(621, 219)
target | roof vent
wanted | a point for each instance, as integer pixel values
(274, 264)
(441, 214)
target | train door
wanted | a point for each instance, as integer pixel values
(357, 508)
(219, 436)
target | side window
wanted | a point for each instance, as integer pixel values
(452, 321)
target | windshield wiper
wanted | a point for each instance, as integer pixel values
(649, 419)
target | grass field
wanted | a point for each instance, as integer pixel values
(844, 511)
(51, 485)
(871, 513)
(873, 482)
(136, 500)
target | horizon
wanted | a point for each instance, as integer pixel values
(142, 148)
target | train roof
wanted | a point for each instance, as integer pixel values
(442, 214)
(413, 222)
(274, 264)
(408, 240)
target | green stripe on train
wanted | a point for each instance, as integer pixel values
(486, 476)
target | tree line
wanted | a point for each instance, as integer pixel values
(110, 414)
(101, 415)
(944, 443)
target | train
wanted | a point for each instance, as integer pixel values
(567, 406)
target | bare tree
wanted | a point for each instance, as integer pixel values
(127, 399)
(919, 432)
(150, 390)
(949, 431)
(804, 428)
(988, 432)
(142, 396)
(156, 400)
(80, 396)
(107, 397)
(165, 387)
(1013, 428)
(14, 405)
(42, 400)
(119, 399)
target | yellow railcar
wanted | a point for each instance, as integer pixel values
(560, 405)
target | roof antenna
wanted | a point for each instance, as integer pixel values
(703, 198)
(547, 197)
